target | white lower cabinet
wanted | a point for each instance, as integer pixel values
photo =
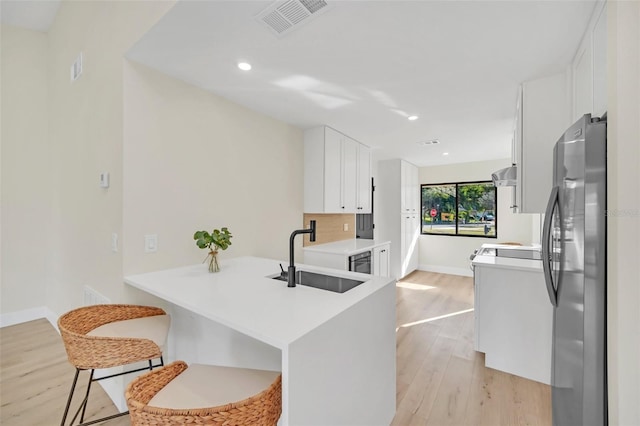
(409, 240)
(380, 261)
(327, 260)
(336, 255)
(513, 321)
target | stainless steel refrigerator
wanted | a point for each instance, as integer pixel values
(574, 260)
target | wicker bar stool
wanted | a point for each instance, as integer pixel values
(105, 336)
(205, 395)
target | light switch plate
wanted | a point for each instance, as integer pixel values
(345, 227)
(104, 180)
(151, 243)
(114, 242)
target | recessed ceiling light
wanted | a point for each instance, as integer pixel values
(412, 117)
(244, 66)
(445, 153)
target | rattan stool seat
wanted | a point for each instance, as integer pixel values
(205, 394)
(105, 336)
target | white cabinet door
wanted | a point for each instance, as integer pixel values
(333, 166)
(589, 68)
(409, 244)
(582, 82)
(364, 179)
(516, 155)
(415, 190)
(326, 260)
(477, 326)
(545, 117)
(514, 321)
(410, 189)
(404, 207)
(381, 261)
(337, 173)
(600, 64)
(412, 250)
(348, 184)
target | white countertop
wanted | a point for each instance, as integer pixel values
(241, 296)
(347, 247)
(508, 262)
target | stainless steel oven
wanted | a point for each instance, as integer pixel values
(360, 262)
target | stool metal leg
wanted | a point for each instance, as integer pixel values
(83, 406)
(86, 397)
(73, 387)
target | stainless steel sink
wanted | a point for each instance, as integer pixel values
(324, 282)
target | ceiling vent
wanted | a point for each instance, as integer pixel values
(282, 17)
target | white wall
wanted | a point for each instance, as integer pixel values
(449, 254)
(196, 161)
(26, 191)
(58, 136)
(86, 135)
(623, 170)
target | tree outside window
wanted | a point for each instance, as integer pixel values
(463, 209)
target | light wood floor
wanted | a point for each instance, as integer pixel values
(35, 378)
(441, 380)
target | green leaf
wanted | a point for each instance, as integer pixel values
(218, 238)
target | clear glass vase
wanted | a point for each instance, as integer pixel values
(213, 261)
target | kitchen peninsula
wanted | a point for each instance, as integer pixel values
(336, 351)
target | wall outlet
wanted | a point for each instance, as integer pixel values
(345, 227)
(151, 243)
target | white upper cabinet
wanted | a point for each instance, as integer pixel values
(410, 188)
(589, 68)
(541, 118)
(349, 169)
(363, 204)
(599, 44)
(337, 173)
(548, 106)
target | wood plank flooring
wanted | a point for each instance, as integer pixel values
(441, 380)
(35, 378)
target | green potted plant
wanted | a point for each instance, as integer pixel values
(218, 239)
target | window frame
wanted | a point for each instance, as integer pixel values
(456, 184)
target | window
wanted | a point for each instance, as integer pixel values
(463, 209)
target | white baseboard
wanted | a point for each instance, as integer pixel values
(26, 315)
(52, 317)
(465, 272)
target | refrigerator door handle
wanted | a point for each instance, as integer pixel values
(547, 256)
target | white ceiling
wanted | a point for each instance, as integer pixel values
(29, 14)
(362, 67)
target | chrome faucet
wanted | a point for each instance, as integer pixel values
(291, 271)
